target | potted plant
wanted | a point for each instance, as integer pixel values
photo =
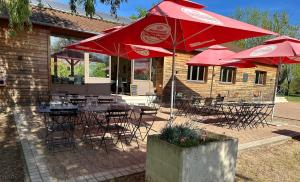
(183, 154)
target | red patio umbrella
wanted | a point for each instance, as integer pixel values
(277, 51)
(182, 25)
(127, 51)
(213, 57)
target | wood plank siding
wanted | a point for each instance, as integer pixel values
(24, 61)
(238, 90)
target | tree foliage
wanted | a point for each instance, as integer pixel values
(97, 69)
(277, 22)
(141, 12)
(89, 5)
(19, 11)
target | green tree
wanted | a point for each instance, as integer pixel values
(19, 11)
(277, 22)
(97, 70)
(63, 68)
(141, 12)
(79, 70)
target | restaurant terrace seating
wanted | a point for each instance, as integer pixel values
(101, 121)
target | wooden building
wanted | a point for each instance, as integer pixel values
(233, 83)
(26, 71)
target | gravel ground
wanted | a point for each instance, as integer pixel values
(276, 163)
(11, 164)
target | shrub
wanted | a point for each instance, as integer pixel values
(184, 136)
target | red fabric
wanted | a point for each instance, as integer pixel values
(127, 51)
(238, 64)
(170, 22)
(186, 3)
(274, 52)
(282, 39)
(213, 57)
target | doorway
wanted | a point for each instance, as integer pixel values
(124, 76)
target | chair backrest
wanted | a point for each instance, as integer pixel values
(196, 100)
(220, 99)
(79, 102)
(63, 112)
(208, 101)
(58, 116)
(105, 100)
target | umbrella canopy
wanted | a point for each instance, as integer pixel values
(281, 50)
(182, 25)
(169, 23)
(277, 51)
(127, 51)
(213, 57)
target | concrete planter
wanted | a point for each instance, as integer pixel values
(210, 162)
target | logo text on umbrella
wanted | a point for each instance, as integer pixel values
(263, 51)
(140, 51)
(156, 33)
(198, 15)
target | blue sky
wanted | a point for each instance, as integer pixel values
(224, 7)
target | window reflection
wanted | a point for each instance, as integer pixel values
(99, 65)
(142, 69)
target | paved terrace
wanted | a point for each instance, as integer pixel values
(86, 164)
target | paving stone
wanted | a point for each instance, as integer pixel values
(96, 163)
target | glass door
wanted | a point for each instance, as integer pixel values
(142, 73)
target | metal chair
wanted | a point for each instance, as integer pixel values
(60, 129)
(147, 117)
(116, 125)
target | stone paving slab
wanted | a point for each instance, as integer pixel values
(288, 110)
(86, 164)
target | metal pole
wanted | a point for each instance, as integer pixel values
(117, 79)
(173, 73)
(276, 86)
(173, 85)
(212, 81)
(118, 62)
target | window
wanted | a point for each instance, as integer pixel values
(99, 65)
(260, 77)
(196, 73)
(67, 66)
(227, 75)
(142, 69)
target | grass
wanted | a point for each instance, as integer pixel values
(293, 98)
(276, 163)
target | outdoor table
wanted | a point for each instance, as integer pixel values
(106, 100)
(46, 109)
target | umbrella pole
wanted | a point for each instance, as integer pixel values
(173, 85)
(276, 88)
(117, 79)
(212, 81)
(118, 65)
